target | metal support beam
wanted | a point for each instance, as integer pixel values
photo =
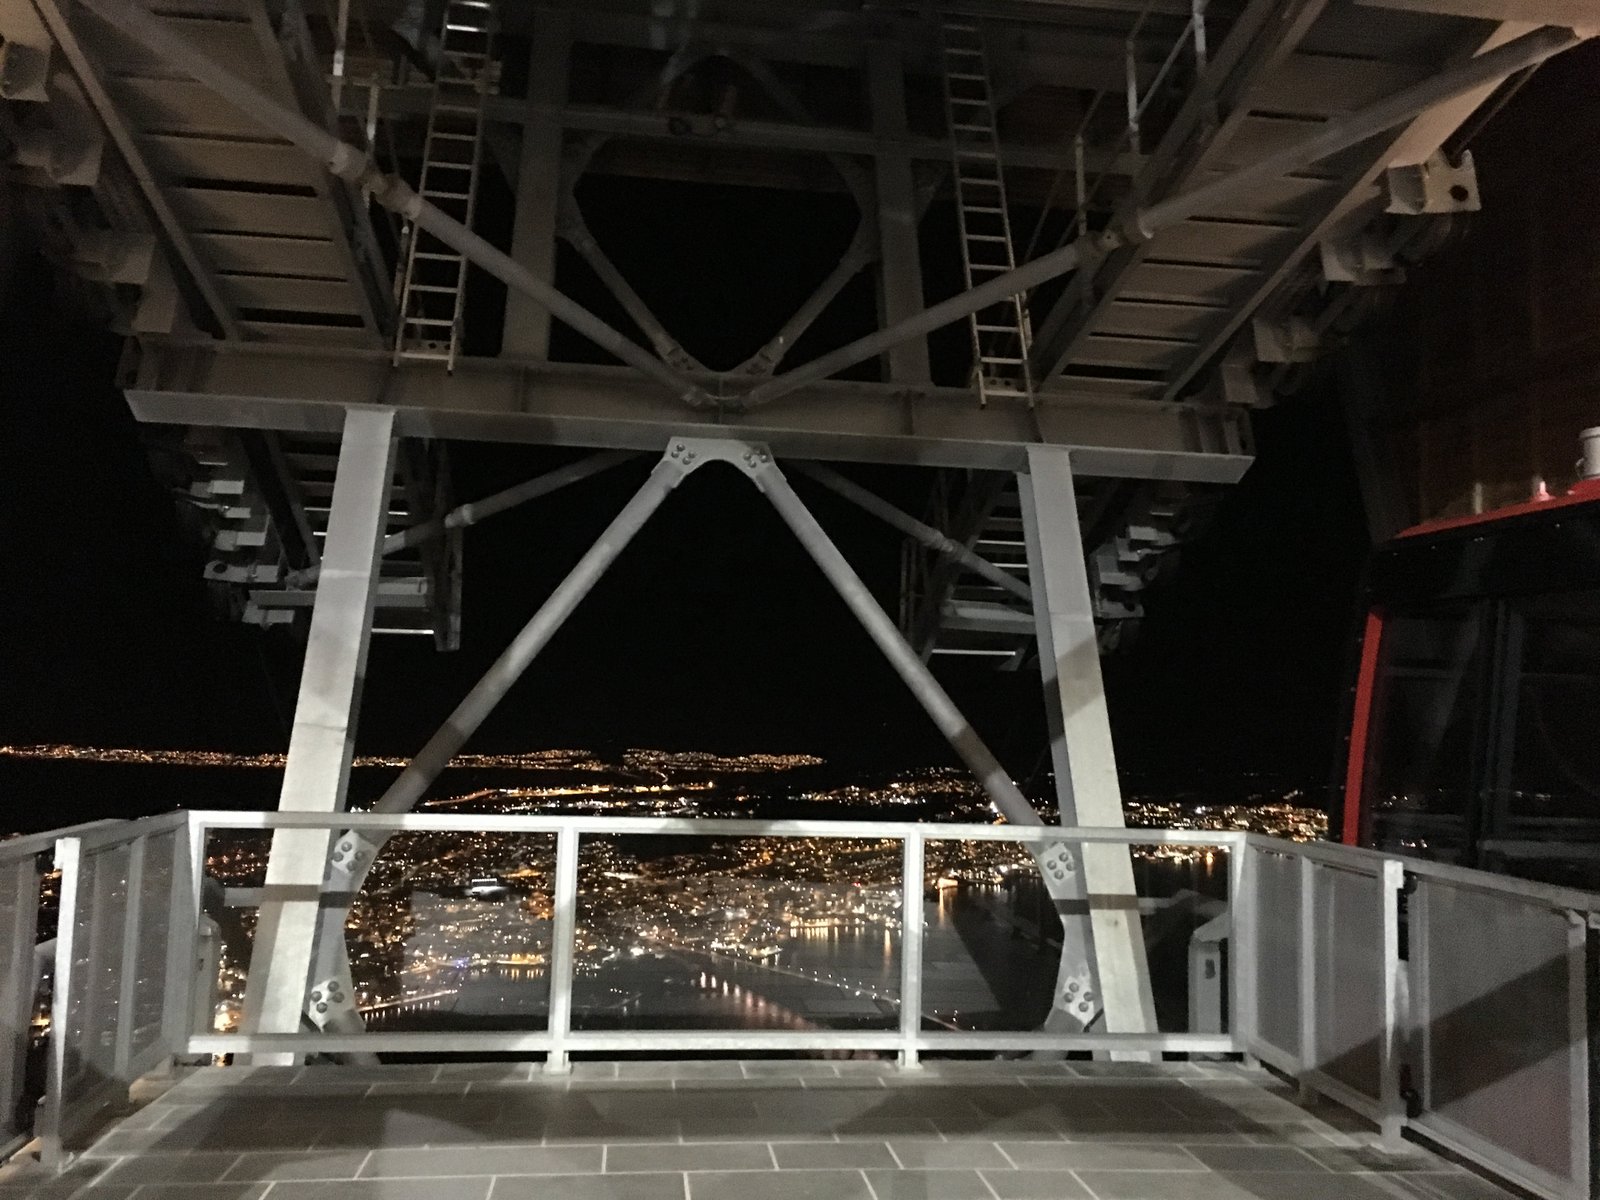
(301, 389)
(463, 516)
(1087, 791)
(356, 166)
(927, 535)
(533, 230)
(1144, 223)
(317, 773)
(900, 267)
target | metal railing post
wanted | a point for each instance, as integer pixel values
(912, 878)
(19, 909)
(1242, 948)
(183, 917)
(52, 1116)
(1130, 63)
(128, 960)
(1392, 1115)
(1307, 984)
(563, 937)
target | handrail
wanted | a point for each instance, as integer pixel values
(29, 844)
(414, 822)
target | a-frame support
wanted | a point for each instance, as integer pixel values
(352, 854)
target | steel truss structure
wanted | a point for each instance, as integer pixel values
(232, 171)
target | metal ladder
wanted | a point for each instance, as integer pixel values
(433, 285)
(1001, 335)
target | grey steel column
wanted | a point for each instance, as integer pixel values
(533, 231)
(900, 275)
(1087, 790)
(317, 773)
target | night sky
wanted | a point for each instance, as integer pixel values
(714, 631)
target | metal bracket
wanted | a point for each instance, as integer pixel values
(1434, 186)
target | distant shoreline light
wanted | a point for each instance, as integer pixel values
(529, 760)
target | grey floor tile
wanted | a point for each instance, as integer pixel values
(589, 1187)
(789, 1067)
(1036, 1185)
(1379, 1159)
(1159, 1185)
(273, 1165)
(1255, 1158)
(1448, 1186)
(833, 1155)
(1098, 1156)
(672, 1069)
(695, 1156)
(197, 1191)
(753, 1129)
(566, 1132)
(169, 1168)
(494, 1072)
(882, 1129)
(779, 1185)
(386, 1189)
(61, 1191)
(948, 1155)
(929, 1185)
(456, 1161)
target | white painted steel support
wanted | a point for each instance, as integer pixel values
(900, 276)
(563, 933)
(1081, 751)
(63, 985)
(317, 773)
(912, 876)
(1391, 1105)
(183, 967)
(1306, 982)
(1243, 946)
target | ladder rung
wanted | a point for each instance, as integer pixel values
(463, 108)
(435, 256)
(457, 27)
(440, 322)
(962, 51)
(982, 208)
(967, 75)
(433, 287)
(446, 195)
(987, 237)
(453, 137)
(969, 126)
(972, 100)
(998, 329)
(998, 359)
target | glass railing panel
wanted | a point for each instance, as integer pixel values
(992, 940)
(450, 930)
(740, 933)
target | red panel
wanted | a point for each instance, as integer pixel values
(1360, 729)
(1585, 491)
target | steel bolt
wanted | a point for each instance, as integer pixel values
(322, 1008)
